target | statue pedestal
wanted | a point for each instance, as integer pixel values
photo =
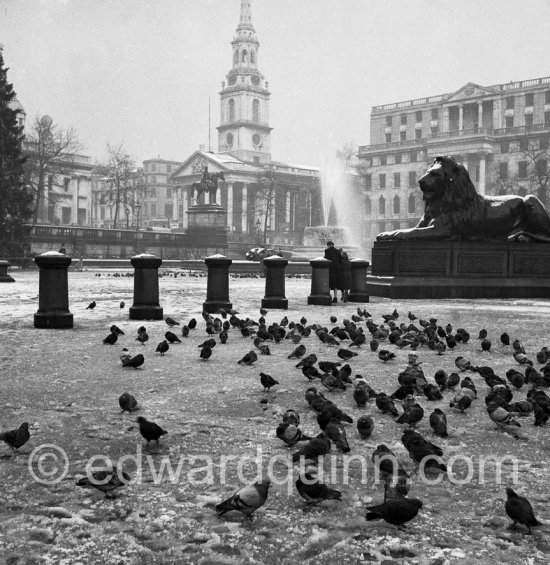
(207, 227)
(449, 269)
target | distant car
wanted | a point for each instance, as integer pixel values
(259, 253)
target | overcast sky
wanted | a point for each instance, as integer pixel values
(141, 72)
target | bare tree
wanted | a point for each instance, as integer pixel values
(265, 199)
(537, 155)
(347, 153)
(51, 154)
(119, 175)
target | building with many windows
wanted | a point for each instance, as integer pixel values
(500, 133)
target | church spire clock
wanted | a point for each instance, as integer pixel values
(244, 130)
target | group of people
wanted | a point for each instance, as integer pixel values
(340, 271)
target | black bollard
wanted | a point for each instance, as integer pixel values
(358, 291)
(217, 286)
(146, 288)
(320, 282)
(275, 283)
(53, 291)
(4, 277)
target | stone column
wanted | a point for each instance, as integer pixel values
(4, 277)
(445, 119)
(275, 283)
(184, 197)
(287, 207)
(320, 282)
(358, 291)
(53, 291)
(230, 222)
(480, 114)
(217, 286)
(244, 220)
(482, 174)
(460, 117)
(146, 288)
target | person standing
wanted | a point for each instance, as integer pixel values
(346, 276)
(333, 255)
(62, 249)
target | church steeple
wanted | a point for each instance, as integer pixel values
(244, 126)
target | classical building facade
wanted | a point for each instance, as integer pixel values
(266, 200)
(500, 133)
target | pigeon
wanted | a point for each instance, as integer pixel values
(171, 322)
(361, 395)
(122, 304)
(397, 512)
(411, 416)
(386, 463)
(333, 319)
(16, 438)
(518, 346)
(249, 358)
(299, 352)
(142, 337)
(107, 481)
(206, 353)
(172, 337)
(208, 343)
(91, 306)
(314, 448)
(314, 492)
(385, 404)
(127, 402)
(185, 331)
(149, 430)
(500, 416)
(522, 359)
(462, 400)
(162, 347)
(135, 362)
(422, 451)
(290, 434)
(485, 345)
(246, 500)
(307, 361)
(111, 339)
(463, 364)
(125, 355)
(192, 324)
(291, 417)
(263, 311)
(267, 381)
(116, 330)
(519, 509)
(373, 344)
(482, 334)
(223, 336)
(453, 380)
(346, 354)
(438, 422)
(328, 366)
(505, 339)
(385, 355)
(337, 434)
(365, 425)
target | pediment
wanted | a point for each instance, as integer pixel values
(194, 165)
(470, 91)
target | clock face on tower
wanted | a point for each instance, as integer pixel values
(231, 79)
(229, 139)
(255, 80)
(256, 139)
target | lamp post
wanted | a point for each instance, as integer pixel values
(138, 210)
(127, 218)
(258, 229)
(268, 177)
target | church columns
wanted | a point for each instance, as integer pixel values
(230, 205)
(185, 202)
(481, 184)
(480, 114)
(244, 221)
(287, 207)
(460, 117)
(445, 119)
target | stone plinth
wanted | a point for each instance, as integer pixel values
(146, 288)
(53, 291)
(4, 277)
(207, 229)
(203, 216)
(217, 286)
(275, 283)
(358, 291)
(447, 269)
(320, 282)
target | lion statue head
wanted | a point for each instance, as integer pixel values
(450, 197)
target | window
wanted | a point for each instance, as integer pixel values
(412, 178)
(381, 226)
(388, 121)
(528, 119)
(153, 192)
(542, 167)
(398, 158)
(256, 160)
(168, 192)
(543, 142)
(510, 103)
(255, 110)
(434, 130)
(383, 160)
(546, 118)
(382, 205)
(236, 57)
(503, 170)
(397, 180)
(66, 182)
(523, 144)
(418, 134)
(396, 205)
(547, 97)
(382, 180)
(102, 213)
(418, 116)
(367, 206)
(529, 98)
(153, 210)
(368, 181)
(435, 114)
(244, 57)
(252, 57)
(403, 135)
(168, 168)
(154, 179)
(396, 225)
(522, 169)
(413, 157)
(388, 137)
(403, 119)
(505, 147)
(412, 204)
(509, 122)
(231, 109)
(153, 168)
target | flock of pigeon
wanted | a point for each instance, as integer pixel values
(323, 378)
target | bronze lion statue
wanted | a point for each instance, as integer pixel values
(454, 210)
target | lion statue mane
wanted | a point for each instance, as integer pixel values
(454, 210)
